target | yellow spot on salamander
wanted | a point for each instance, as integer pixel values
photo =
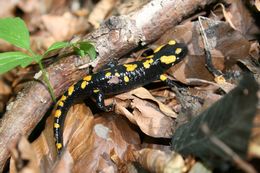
(172, 42)
(220, 79)
(71, 90)
(126, 78)
(158, 49)
(56, 125)
(108, 74)
(168, 59)
(178, 50)
(57, 113)
(130, 67)
(61, 104)
(163, 77)
(58, 146)
(63, 98)
(147, 63)
(117, 74)
(84, 84)
(151, 56)
(96, 90)
(87, 78)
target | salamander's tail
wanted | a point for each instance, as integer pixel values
(62, 108)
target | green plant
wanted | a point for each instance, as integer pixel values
(14, 31)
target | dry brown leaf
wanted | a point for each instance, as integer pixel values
(153, 145)
(78, 130)
(160, 161)
(257, 4)
(68, 25)
(231, 43)
(254, 145)
(23, 158)
(199, 167)
(168, 97)
(100, 11)
(79, 118)
(250, 65)
(254, 50)
(228, 46)
(254, 149)
(32, 6)
(121, 109)
(5, 93)
(238, 16)
(109, 133)
(109, 169)
(228, 16)
(130, 6)
(7, 9)
(64, 164)
(152, 120)
(207, 93)
(193, 66)
(145, 94)
(5, 46)
(181, 33)
(45, 147)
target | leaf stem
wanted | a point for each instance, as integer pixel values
(45, 75)
(47, 80)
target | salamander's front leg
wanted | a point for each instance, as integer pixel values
(99, 97)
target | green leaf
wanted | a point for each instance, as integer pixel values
(230, 120)
(10, 60)
(14, 31)
(37, 58)
(83, 48)
(79, 52)
(56, 46)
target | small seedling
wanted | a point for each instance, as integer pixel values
(14, 31)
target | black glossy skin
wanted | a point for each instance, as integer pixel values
(118, 79)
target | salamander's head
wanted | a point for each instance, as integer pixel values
(170, 54)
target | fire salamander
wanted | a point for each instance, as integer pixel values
(118, 79)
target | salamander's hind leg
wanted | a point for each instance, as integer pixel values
(99, 97)
(148, 52)
(169, 82)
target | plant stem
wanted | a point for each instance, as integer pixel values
(45, 75)
(46, 79)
